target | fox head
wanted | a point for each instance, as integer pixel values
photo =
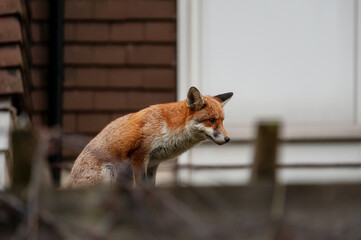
(206, 115)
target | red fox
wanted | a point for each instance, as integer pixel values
(131, 147)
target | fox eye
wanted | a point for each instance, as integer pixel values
(212, 120)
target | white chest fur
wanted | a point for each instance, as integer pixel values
(172, 144)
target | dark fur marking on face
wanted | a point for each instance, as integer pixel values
(216, 133)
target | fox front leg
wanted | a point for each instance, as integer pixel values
(139, 165)
(151, 173)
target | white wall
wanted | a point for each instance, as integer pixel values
(296, 61)
(293, 60)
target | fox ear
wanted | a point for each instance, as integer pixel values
(225, 97)
(195, 100)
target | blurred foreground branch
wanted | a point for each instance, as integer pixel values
(34, 210)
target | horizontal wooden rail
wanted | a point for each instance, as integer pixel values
(68, 166)
(249, 166)
(302, 134)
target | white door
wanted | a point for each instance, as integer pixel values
(294, 61)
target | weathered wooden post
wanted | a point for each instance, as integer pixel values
(24, 144)
(30, 173)
(264, 172)
(265, 158)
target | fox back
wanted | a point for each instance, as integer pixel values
(130, 148)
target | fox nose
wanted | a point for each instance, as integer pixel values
(227, 139)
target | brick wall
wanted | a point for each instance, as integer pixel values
(119, 57)
(13, 55)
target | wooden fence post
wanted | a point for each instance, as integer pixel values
(265, 158)
(24, 144)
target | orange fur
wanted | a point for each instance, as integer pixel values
(180, 110)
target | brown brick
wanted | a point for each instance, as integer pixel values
(10, 30)
(9, 7)
(78, 100)
(110, 54)
(69, 122)
(70, 77)
(11, 81)
(140, 9)
(78, 54)
(78, 9)
(140, 100)
(130, 100)
(116, 116)
(70, 32)
(39, 55)
(125, 78)
(127, 32)
(160, 78)
(102, 55)
(39, 9)
(121, 78)
(40, 100)
(119, 32)
(92, 123)
(152, 55)
(86, 32)
(39, 32)
(39, 77)
(111, 100)
(151, 9)
(162, 32)
(110, 9)
(86, 77)
(10, 56)
(161, 97)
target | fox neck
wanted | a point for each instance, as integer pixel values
(178, 135)
(171, 145)
(179, 128)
